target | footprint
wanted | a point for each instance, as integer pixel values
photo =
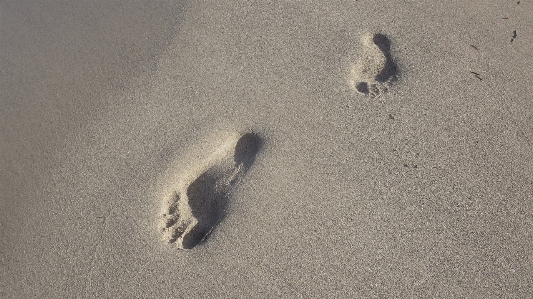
(198, 202)
(375, 70)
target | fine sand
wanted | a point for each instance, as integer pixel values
(284, 149)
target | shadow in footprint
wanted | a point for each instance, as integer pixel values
(206, 203)
(208, 196)
(362, 87)
(375, 68)
(246, 149)
(390, 70)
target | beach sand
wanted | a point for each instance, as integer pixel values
(413, 182)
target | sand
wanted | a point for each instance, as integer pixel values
(421, 187)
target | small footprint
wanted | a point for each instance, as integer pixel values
(375, 70)
(197, 204)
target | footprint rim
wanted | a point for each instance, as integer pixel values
(206, 194)
(375, 69)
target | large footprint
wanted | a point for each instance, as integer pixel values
(197, 203)
(373, 73)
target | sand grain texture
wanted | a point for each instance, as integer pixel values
(422, 191)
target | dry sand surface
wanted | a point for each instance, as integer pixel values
(394, 154)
